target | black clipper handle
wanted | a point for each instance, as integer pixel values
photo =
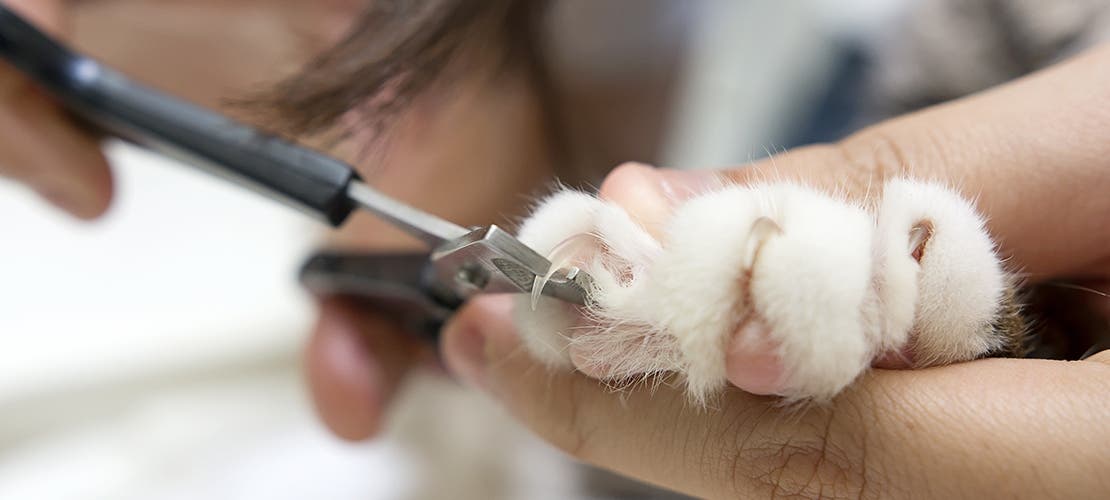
(313, 182)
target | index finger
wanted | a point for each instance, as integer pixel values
(1032, 154)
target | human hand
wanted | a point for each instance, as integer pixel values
(356, 360)
(1033, 156)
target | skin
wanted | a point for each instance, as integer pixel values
(1033, 153)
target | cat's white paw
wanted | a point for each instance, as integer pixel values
(779, 288)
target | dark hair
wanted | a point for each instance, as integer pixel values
(396, 51)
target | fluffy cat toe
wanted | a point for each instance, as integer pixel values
(942, 283)
(809, 285)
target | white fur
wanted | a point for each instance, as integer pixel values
(810, 283)
(697, 292)
(960, 281)
(835, 285)
(546, 331)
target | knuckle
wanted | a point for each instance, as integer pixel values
(619, 178)
(811, 457)
(873, 156)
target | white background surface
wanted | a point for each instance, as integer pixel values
(178, 267)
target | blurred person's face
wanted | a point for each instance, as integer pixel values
(465, 154)
(470, 156)
(208, 50)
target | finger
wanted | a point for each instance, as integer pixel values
(355, 361)
(1026, 152)
(649, 196)
(42, 149)
(1029, 153)
(40, 145)
(959, 431)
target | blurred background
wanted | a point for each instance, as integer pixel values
(155, 353)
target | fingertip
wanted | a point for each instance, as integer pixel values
(463, 347)
(625, 176)
(649, 195)
(61, 162)
(85, 177)
(100, 187)
(341, 377)
(88, 194)
(354, 363)
(639, 190)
